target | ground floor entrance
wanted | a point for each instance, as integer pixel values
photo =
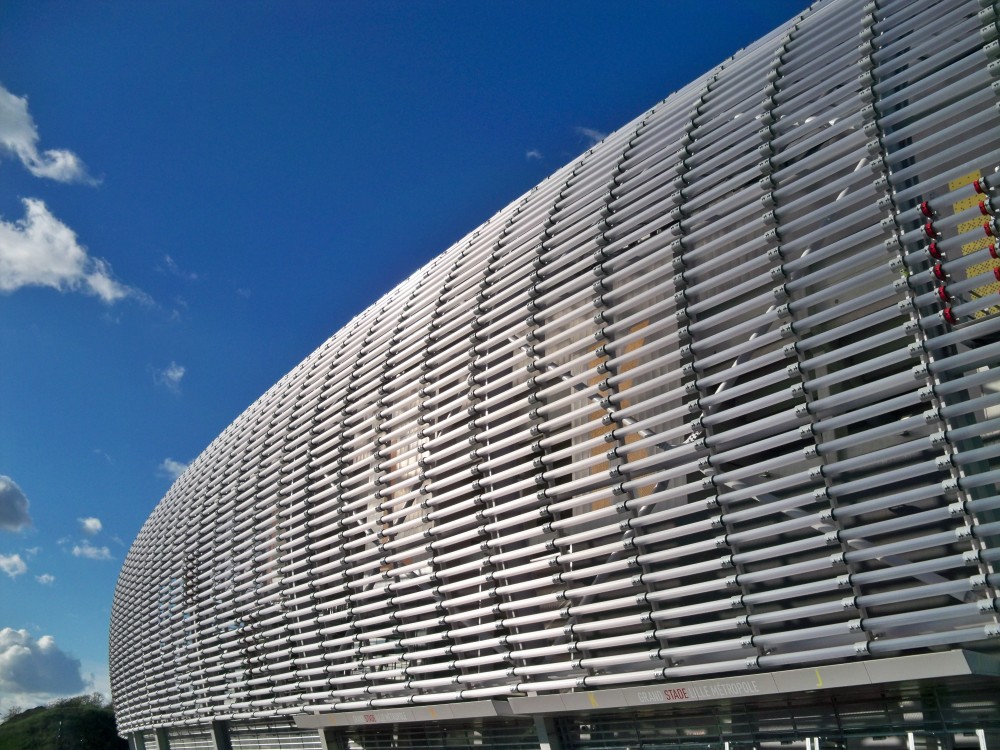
(938, 701)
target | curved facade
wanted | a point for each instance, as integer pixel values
(712, 407)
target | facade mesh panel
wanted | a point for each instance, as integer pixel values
(719, 396)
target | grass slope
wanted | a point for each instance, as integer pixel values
(73, 724)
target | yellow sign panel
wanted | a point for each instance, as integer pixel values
(981, 244)
(966, 203)
(964, 180)
(973, 225)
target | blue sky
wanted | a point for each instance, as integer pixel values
(193, 196)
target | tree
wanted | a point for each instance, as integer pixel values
(84, 722)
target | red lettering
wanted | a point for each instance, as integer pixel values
(675, 694)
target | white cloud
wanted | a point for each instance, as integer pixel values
(45, 579)
(36, 668)
(593, 136)
(172, 469)
(97, 678)
(173, 268)
(13, 565)
(39, 250)
(19, 138)
(14, 514)
(89, 551)
(90, 525)
(533, 154)
(170, 377)
(105, 455)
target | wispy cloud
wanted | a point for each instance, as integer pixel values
(105, 455)
(171, 469)
(39, 250)
(90, 525)
(171, 267)
(14, 514)
(19, 139)
(533, 154)
(593, 137)
(45, 579)
(87, 550)
(13, 565)
(170, 376)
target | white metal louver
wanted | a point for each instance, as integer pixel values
(718, 396)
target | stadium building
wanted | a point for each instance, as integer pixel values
(695, 445)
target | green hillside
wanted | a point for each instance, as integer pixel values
(83, 723)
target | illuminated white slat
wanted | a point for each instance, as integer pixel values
(539, 425)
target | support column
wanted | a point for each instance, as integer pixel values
(332, 739)
(219, 731)
(548, 733)
(162, 739)
(136, 741)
